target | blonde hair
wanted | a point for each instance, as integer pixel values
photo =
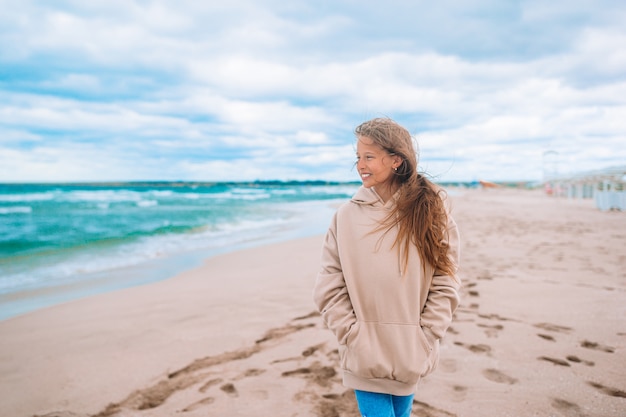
(419, 211)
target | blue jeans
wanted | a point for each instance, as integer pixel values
(374, 404)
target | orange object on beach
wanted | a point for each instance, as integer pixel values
(487, 184)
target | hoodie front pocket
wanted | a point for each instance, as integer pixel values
(387, 350)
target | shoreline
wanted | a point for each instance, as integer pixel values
(539, 329)
(88, 239)
(24, 301)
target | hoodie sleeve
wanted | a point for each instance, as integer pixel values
(443, 296)
(330, 293)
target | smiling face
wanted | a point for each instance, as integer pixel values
(376, 167)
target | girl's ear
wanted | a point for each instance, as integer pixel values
(397, 161)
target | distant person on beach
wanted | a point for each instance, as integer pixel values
(388, 287)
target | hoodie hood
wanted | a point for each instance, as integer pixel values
(369, 197)
(366, 196)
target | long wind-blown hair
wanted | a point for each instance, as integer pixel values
(419, 212)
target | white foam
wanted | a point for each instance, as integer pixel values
(162, 193)
(13, 198)
(101, 196)
(16, 209)
(147, 203)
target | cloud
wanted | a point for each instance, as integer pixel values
(267, 90)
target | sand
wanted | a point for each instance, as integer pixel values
(540, 330)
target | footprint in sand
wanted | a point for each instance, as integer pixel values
(333, 355)
(210, 383)
(596, 346)
(556, 361)
(316, 373)
(493, 330)
(311, 315)
(460, 392)
(553, 327)
(230, 389)
(424, 409)
(576, 359)
(334, 405)
(568, 408)
(251, 372)
(306, 353)
(546, 337)
(494, 317)
(613, 392)
(480, 348)
(499, 377)
(198, 404)
(311, 350)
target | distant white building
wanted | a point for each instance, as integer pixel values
(606, 186)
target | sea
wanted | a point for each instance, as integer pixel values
(60, 242)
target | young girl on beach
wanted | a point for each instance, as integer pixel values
(388, 288)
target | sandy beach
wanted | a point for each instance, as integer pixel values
(540, 330)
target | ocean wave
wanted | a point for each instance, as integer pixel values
(109, 196)
(16, 209)
(102, 198)
(161, 193)
(227, 195)
(18, 198)
(347, 190)
(147, 203)
(168, 240)
(87, 233)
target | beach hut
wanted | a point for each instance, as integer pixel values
(607, 187)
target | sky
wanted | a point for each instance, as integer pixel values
(237, 90)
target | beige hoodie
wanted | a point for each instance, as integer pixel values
(388, 326)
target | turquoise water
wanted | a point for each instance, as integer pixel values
(61, 241)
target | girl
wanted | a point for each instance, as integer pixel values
(388, 288)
